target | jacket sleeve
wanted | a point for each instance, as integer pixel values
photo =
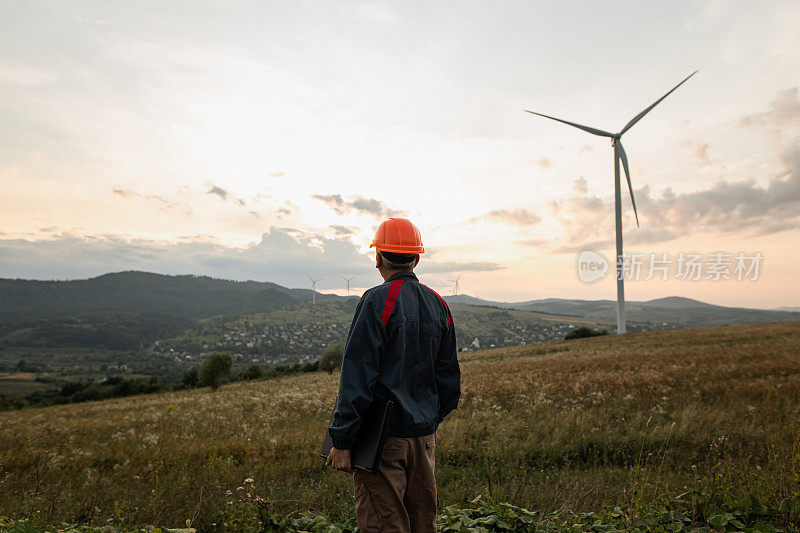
(360, 369)
(448, 373)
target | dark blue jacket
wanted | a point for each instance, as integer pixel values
(402, 347)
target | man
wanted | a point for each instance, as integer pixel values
(401, 347)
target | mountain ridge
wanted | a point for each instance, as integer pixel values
(677, 310)
(193, 297)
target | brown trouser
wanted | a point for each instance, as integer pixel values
(402, 495)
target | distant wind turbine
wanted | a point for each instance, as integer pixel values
(348, 280)
(455, 287)
(619, 155)
(313, 289)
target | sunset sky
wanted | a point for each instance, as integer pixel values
(266, 140)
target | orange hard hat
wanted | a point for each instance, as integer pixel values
(399, 236)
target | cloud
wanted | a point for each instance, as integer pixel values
(165, 204)
(125, 193)
(580, 185)
(24, 75)
(360, 204)
(277, 174)
(544, 163)
(226, 195)
(724, 207)
(582, 246)
(219, 191)
(514, 217)
(535, 243)
(282, 255)
(334, 201)
(342, 230)
(368, 205)
(733, 206)
(784, 110)
(700, 152)
(438, 267)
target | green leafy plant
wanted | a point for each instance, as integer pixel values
(332, 357)
(215, 368)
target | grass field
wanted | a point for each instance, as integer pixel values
(582, 425)
(20, 384)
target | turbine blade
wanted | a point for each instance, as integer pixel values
(638, 117)
(593, 131)
(628, 176)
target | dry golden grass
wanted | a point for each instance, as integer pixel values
(580, 424)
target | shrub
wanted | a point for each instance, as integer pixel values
(191, 378)
(332, 357)
(254, 371)
(216, 367)
(584, 332)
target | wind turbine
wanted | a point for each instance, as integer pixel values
(619, 155)
(313, 289)
(348, 280)
(455, 287)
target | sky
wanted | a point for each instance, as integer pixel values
(267, 140)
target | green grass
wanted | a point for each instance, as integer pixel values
(13, 387)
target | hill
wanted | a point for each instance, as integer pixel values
(194, 297)
(186, 296)
(110, 330)
(673, 310)
(709, 414)
(123, 310)
(303, 329)
(153, 324)
(100, 344)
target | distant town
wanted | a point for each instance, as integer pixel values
(275, 345)
(269, 345)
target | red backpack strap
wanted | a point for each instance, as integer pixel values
(391, 298)
(446, 309)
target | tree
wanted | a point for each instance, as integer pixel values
(332, 357)
(584, 332)
(191, 377)
(70, 388)
(254, 371)
(215, 367)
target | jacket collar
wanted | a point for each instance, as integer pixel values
(403, 275)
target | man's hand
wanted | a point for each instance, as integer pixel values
(340, 459)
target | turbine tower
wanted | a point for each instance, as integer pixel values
(455, 287)
(348, 280)
(313, 289)
(619, 155)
